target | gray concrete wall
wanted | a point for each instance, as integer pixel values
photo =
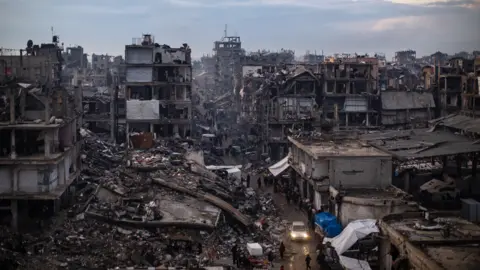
(360, 172)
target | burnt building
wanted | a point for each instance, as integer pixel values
(285, 101)
(350, 90)
(39, 131)
(158, 88)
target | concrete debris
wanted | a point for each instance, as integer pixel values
(159, 209)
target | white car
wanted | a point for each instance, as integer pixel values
(299, 231)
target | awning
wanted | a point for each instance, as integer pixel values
(280, 166)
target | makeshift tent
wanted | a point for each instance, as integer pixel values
(280, 166)
(353, 264)
(355, 230)
(328, 223)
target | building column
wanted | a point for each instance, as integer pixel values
(47, 141)
(175, 129)
(367, 119)
(11, 95)
(152, 128)
(127, 142)
(474, 172)
(14, 211)
(13, 152)
(346, 119)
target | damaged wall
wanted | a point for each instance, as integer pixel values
(29, 179)
(139, 74)
(143, 109)
(139, 55)
(170, 55)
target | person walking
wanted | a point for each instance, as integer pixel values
(308, 259)
(270, 258)
(282, 249)
(234, 254)
(259, 182)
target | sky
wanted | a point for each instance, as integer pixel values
(331, 26)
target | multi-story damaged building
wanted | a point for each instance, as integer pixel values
(280, 102)
(158, 87)
(350, 89)
(405, 57)
(228, 54)
(313, 58)
(39, 134)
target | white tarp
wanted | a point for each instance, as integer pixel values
(280, 166)
(355, 230)
(354, 264)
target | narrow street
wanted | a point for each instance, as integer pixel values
(295, 251)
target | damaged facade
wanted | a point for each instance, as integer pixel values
(40, 145)
(351, 94)
(158, 88)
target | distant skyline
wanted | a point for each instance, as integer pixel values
(334, 26)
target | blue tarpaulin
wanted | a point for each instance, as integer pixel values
(328, 223)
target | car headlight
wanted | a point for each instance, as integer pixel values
(293, 235)
(305, 235)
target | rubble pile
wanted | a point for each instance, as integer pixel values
(123, 217)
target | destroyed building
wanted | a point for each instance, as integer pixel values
(228, 54)
(453, 84)
(75, 57)
(104, 108)
(313, 58)
(159, 87)
(428, 241)
(266, 57)
(351, 94)
(351, 179)
(405, 57)
(279, 100)
(40, 145)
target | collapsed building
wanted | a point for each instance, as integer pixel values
(40, 145)
(158, 88)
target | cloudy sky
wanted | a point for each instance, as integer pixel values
(105, 26)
